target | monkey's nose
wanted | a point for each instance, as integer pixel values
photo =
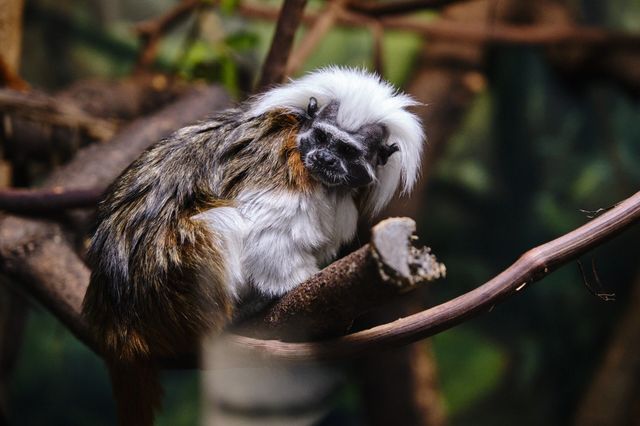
(326, 159)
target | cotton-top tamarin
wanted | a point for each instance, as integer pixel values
(255, 198)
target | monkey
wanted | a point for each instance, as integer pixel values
(255, 198)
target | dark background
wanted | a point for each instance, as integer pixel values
(532, 144)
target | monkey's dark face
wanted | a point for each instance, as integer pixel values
(337, 157)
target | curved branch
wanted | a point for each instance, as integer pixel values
(530, 267)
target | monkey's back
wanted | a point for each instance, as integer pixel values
(157, 277)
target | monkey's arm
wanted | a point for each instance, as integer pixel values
(276, 263)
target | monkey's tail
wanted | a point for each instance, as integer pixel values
(137, 391)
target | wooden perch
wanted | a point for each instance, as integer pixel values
(327, 303)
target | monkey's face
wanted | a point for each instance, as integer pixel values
(337, 157)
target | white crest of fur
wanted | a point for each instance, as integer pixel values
(363, 98)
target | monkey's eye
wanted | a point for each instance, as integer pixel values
(321, 137)
(349, 150)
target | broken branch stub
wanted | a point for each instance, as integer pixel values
(327, 303)
(400, 263)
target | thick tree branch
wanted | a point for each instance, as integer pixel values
(327, 303)
(96, 166)
(45, 110)
(31, 136)
(34, 201)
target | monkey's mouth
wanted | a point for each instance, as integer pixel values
(328, 176)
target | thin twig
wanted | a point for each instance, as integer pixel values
(150, 31)
(376, 9)
(596, 292)
(274, 68)
(314, 36)
(377, 34)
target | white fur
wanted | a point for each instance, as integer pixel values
(363, 98)
(286, 235)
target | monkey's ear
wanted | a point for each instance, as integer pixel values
(385, 152)
(313, 107)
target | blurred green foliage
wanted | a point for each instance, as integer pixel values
(58, 381)
(533, 150)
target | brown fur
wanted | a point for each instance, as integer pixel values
(298, 176)
(157, 284)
